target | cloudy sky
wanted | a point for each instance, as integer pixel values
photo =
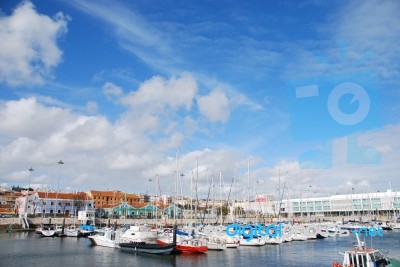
(301, 95)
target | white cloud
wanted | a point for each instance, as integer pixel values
(214, 106)
(370, 27)
(119, 154)
(158, 94)
(28, 50)
(111, 91)
(122, 155)
(27, 118)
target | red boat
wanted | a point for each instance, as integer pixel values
(188, 246)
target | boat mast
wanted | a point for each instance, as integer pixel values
(220, 192)
(176, 184)
(197, 179)
(248, 186)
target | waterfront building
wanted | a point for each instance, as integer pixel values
(144, 210)
(7, 201)
(62, 204)
(108, 199)
(360, 204)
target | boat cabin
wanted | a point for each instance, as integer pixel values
(364, 258)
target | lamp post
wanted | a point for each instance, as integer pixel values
(58, 185)
(27, 193)
(30, 176)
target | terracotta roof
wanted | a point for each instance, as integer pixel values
(60, 195)
(116, 194)
(7, 211)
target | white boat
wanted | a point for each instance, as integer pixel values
(142, 233)
(105, 238)
(72, 231)
(215, 243)
(361, 256)
(274, 240)
(396, 226)
(59, 230)
(232, 241)
(298, 237)
(46, 230)
(255, 241)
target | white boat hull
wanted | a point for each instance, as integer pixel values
(103, 241)
(253, 242)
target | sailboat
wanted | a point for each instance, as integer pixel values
(46, 230)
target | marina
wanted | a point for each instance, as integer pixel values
(18, 248)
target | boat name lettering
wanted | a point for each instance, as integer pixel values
(278, 230)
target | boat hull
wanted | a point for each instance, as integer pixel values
(148, 248)
(187, 248)
(102, 241)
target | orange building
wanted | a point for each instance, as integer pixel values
(110, 199)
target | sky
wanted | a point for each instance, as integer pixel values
(289, 98)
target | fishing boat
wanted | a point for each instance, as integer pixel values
(105, 238)
(361, 256)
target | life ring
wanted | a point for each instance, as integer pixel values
(336, 264)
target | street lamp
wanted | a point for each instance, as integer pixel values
(58, 185)
(30, 176)
(27, 193)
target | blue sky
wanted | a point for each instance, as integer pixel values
(115, 89)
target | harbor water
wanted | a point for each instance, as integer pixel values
(25, 249)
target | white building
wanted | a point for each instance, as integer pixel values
(364, 204)
(53, 203)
